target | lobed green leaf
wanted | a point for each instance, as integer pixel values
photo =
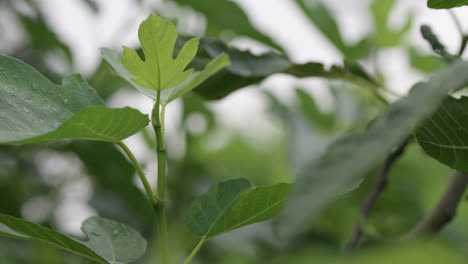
(159, 70)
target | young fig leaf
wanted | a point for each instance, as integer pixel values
(159, 70)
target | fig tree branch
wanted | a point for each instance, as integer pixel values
(377, 190)
(445, 210)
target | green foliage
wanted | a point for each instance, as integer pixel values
(444, 4)
(108, 241)
(36, 110)
(342, 167)
(159, 71)
(231, 18)
(168, 95)
(247, 69)
(323, 19)
(443, 135)
(333, 176)
(425, 63)
(408, 253)
(325, 121)
(385, 36)
(233, 204)
(436, 45)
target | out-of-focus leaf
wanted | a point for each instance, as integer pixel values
(436, 45)
(92, 5)
(232, 204)
(444, 4)
(347, 160)
(108, 242)
(444, 135)
(434, 253)
(385, 36)
(311, 111)
(222, 15)
(105, 81)
(247, 69)
(115, 194)
(323, 19)
(42, 37)
(425, 63)
(33, 109)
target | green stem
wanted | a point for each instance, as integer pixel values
(140, 172)
(195, 250)
(157, 120)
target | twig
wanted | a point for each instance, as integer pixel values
(445, 210)
(377, 189)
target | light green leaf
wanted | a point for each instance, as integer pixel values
(33, 109)
(386, 36)
(444, 4)
(168, 95)
(159, 70)
(107, 241)
(342, 167)
(424, 63)
(444, 136)
(232, 204)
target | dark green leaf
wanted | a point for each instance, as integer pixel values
(444, 4)
(247, 69)
(108, 241)
(444, 135)
(33, 109)
(233, 204)
(342, 167)
(436, 45)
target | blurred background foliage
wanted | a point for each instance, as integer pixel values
(59, 184)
